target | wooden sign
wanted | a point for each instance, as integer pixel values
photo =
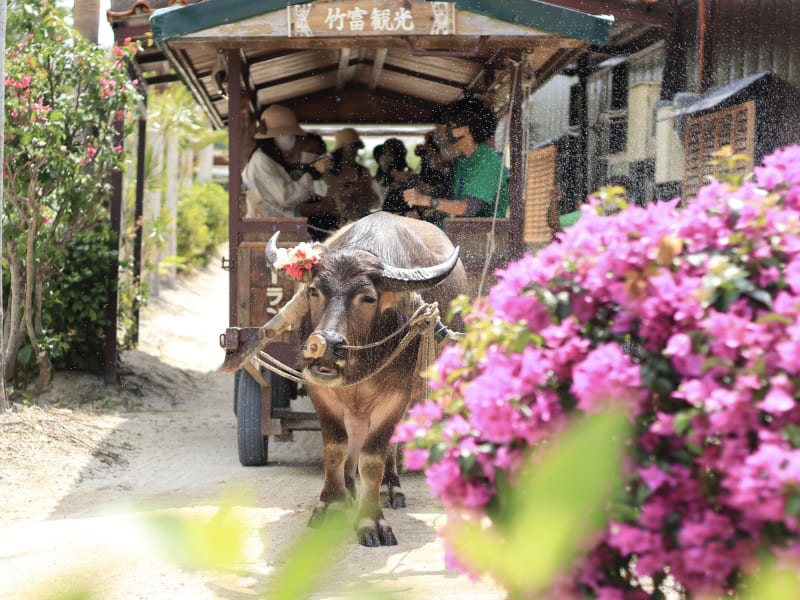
(350, 18)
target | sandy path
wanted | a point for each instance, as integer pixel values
(72, 503)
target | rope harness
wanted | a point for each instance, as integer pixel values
(423, 323)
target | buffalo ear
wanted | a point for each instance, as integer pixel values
(398, 279)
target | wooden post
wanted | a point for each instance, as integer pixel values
(141, 158)
(517, 179)
(581, 165)
(234, 175)
(110, 360)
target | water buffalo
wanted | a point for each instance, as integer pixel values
(371, 277)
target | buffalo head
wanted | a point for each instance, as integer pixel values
(355, 299)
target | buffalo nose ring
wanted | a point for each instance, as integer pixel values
(315, 346)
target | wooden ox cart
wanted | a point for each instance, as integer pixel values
(375, 65)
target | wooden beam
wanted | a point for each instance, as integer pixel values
(249, 91)
(344, 64)
(235, 164)
(377, 67)
(516, 184)
(360, 105)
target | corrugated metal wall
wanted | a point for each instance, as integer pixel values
(549, 109)
(751, 36)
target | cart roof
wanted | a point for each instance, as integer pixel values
(330, 68)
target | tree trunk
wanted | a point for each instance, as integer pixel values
(171, 200)
(3, 396)
(205, 164)
(152, 210)
(86, 18)
(187, 170)
(13, 327)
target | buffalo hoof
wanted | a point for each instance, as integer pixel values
(375, 533)
(324, 511)
(396, 500)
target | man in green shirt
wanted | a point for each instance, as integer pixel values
(480, 178)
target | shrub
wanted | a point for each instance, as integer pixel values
(202, 222)
(65, 103)
(690, 317)
(75, 302)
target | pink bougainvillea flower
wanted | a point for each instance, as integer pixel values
(689, 315)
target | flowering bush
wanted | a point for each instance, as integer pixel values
(688, 316)
(65, 106)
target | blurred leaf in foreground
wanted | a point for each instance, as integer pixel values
(196, 542)
(310, 558)
(773, 581)
(553, 508)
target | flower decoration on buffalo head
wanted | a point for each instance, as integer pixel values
(296, 262)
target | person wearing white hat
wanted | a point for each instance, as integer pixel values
(349, 183)
(270, 189)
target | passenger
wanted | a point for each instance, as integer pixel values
(349, 183)
(435, 174)
(394, 176)
(480, 180)
(270, 190)
(436, 169)
(321, 211)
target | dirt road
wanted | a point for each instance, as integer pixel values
(76, 481)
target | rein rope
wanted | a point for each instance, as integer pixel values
(421, 323)
(490, 235)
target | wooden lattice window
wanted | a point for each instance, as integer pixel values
(540, 185)
(704, 135)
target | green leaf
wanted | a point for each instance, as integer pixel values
(773, 581)
(308, 560)
(682, 421)
(200, 543)
(467, 462)
(774, 318)
(556, 502)
(793, 506)
(436, 452)
(25, 355)
(791, 433)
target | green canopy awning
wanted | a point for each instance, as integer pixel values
(176, 22)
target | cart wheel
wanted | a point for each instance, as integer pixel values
(282, 390)
(253, 446)
(236, 391)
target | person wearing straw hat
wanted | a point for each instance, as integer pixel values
(349, 183)
(270, 189)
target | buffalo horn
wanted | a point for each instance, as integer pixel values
(397, 279)
(271, 251)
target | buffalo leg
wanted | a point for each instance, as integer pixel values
(395, 498)
(335, 492)
(371, 525)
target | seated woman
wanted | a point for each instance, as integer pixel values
(480, 180)
(394, 175)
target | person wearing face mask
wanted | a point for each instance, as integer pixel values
(480, 180)
(320, 210)
(394, 175)
(349, 182)
(270, 189)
